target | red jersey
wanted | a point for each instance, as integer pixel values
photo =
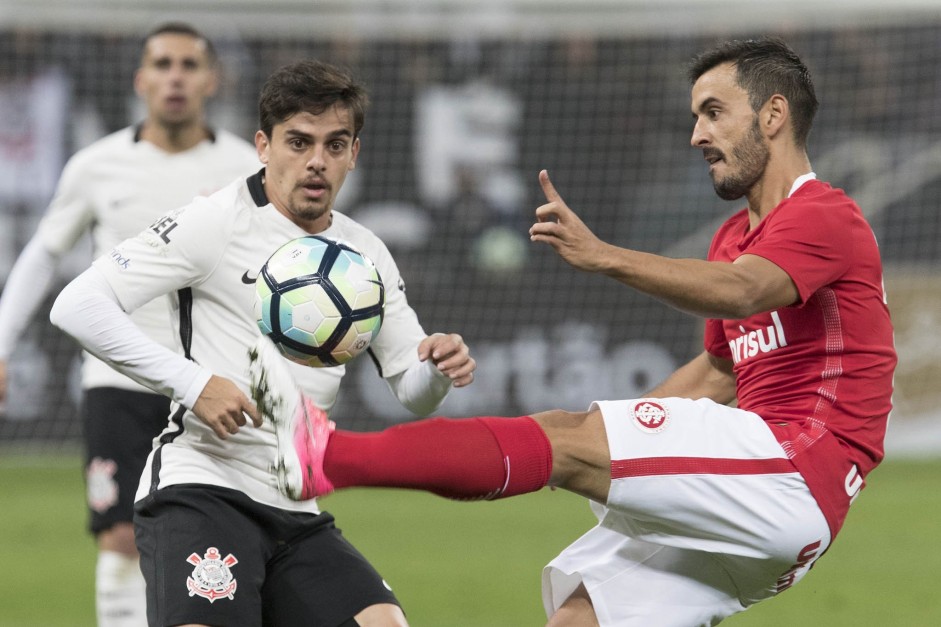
(820, 371)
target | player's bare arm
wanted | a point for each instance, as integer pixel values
(223, 407)
(3, 381)
(736, 290)
(705, 376)
(450, 355)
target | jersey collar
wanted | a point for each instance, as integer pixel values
(139, 128)
(257, 188)
(803, 178)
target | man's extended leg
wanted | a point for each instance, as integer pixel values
(465, 459)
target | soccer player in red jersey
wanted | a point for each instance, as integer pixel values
(704, 508)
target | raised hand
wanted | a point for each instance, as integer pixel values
(557, 225)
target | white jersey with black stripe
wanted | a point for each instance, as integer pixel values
(119, 185)
(206, 255)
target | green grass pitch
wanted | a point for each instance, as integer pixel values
(478, 564)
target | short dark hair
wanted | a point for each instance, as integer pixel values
(180, 28)
(764, 67)
(312, 87)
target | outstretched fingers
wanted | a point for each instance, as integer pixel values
(554, 210)
(552, 195)
(559, 227)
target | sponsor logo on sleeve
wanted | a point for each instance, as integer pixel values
(163, 226)
(119, 259)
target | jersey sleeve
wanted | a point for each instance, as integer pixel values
(70, 212)
(176, 251)
(812, 257)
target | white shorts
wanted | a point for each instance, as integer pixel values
(705, 516)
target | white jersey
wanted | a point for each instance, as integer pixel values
(208, 255)
(118, 186)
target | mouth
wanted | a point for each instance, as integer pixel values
(712, 156)
(314, 189)
(176, 102)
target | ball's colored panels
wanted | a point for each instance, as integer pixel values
(297, 258)
(320, 301)
(357, 280)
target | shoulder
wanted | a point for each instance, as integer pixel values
(110, 147)
(348, 229)
(231, 140)
(216, 212)
(828, 207)
(201, 230)
(816, 194)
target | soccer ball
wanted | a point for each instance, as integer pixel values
(319, 300)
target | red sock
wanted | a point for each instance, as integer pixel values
(469, 458)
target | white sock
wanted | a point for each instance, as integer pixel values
(120, 599)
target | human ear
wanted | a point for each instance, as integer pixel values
(775, 115)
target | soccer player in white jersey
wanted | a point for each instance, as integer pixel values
(704, 509)
(220, 544)
(114, 188)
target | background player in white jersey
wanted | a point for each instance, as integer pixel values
(114, 188)
(220, 545)
(704, 509)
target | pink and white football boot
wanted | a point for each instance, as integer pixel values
(302, 428)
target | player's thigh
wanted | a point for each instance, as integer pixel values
(118, 429)
(322, 579)
(700, 475)
(203, 556)
(575, 611)
(632, 583)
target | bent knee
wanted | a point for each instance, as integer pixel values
(581, 458)
(381, 615)
(576, 611)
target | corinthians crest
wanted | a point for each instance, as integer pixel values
(212, 579)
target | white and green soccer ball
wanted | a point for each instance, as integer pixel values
(320, 301)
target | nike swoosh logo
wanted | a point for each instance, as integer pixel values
(248, 280)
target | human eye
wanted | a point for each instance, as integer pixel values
(337, 145)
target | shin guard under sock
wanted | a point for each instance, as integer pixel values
(465, 459)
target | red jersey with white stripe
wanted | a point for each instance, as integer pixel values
(818, 372)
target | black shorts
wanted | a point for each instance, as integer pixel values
(119, 427)
(213, 556)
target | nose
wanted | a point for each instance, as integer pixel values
(176, 73)
(317, 163)
(700, 137)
